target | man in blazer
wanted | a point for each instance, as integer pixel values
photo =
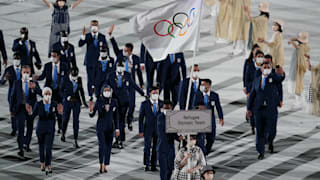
(3, 50)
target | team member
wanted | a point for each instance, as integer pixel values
(24, 94)
(60, 19)
(149, 111)
(150, 66)
(171, 72)
(107, 124)
(275, 45)
(165, 144)
(259, 25)
(196, 82)
(46, 110)
(249, 63)
(122, 83)
(27, 50)
(3, 50)
(72, 89)
(53, 72)
(211, 100)
(66, 49)
(94, 41)
(105, 66)
(132, 65)
(263, 101)
(11, 74)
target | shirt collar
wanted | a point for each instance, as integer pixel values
(208, 93)
(97, 34)
(119, 73)
(152, 101)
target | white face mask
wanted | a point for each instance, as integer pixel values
(154, 97)
(120, 69)
(192, 142)
(47, 98)
(266, 71)
(107, 94)
(195, 74)
(54, 60)
(25, 76)
(103, 54)
(94, 29)
(202, 88)
(125, 53)
(16, 63)
(259, 60)
(74, 78)
(64, 39)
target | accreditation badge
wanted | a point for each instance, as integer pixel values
(127, 83)
(110, 65)
(179, 60)
(270, 80)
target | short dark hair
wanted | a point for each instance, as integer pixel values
(26, 67)
(56, 51)
(207, 81)
(16, 56)
(129, 45)
(280, 27)
(268, 56)
(24, 29)
(167, 101)
(94, 21)
(63, 34)
(259, 52)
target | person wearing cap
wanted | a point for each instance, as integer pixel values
(276, 43)
(197, 160)
(239, 27)
(259, 25)
(149, 111)
(72, 89)
(208, 172)
(263, 102)
(60, 19)
(3, 50)
(53, 72)
(165, 144)
(105, 65)
(24, 93)
(11, 74)
(27, 50)
(107, 124)
(150, 66)
(196, 82)
(298, 66)
(66, 50)
(94, 40)
(171, 73)
(132, 65)
(45, 130)
(210, 100)
(122, 84)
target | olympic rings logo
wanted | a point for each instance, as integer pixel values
(188, 22)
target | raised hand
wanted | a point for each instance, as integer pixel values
(91, 106)
(111, 30)
(84, 30)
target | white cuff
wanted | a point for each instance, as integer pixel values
(20, 42)
(68, 98)
(82, 37)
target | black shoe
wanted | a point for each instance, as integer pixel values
(115, 144)
(130, 127)
(13, 133)
(42, 169)
(63, 138)
(120, 146)
(59, 131)
(101, 171)
(21, 153)
(271, 149)
(261, 156)
(253, 131)
(76, 144)
(105, 171)
(27, 148)
(146, 168)
(154, 169)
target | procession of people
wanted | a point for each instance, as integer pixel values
(112, 83)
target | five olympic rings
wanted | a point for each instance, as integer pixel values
(188, 22)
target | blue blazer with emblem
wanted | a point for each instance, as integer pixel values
(67, 56)
(147, 118)
(46, 122)
(22, 50)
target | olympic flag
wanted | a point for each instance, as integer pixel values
(170, 28)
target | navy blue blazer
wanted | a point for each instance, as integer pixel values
(146, 58)
(102, 76)
(178, 65)
(3, 48)
(12, 75)
(66, 87)
(33, 53)
(46, 122)
(213, 102)
(93, 52)
(184, 94)
(147, 119)
(17, 93)
(250, 74)
(67, 56)
(122, 93)
(47, 74)
(135, 64)
(265, 98)
(107, 114)
(165, 141)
